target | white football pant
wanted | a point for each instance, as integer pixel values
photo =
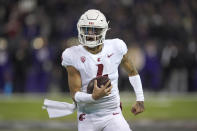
(102, 122)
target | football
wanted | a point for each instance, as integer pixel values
(101, 80)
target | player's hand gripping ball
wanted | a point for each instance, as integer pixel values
(101, 80)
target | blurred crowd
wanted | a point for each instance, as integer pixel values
(160, 35)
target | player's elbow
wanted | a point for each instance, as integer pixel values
(73, 96)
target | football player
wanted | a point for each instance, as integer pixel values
(95, 56)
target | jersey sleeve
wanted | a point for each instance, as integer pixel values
(122, 47)
(67, 58)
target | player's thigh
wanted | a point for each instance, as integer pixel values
(84, 123)
(85, 127)
(117, 123)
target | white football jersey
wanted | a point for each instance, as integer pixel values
(91, 65)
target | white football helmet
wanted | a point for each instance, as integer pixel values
(92, 27)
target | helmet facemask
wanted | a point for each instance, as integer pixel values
(92, 36)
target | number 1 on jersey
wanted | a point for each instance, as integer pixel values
(100, 70)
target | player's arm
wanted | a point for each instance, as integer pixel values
(74, 80)
(135, 81)
(75, 83)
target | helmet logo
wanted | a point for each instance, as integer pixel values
(91, 23)
(83, 59)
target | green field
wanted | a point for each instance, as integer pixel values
(157, 107)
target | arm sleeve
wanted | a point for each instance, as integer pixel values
(83, 97)
(137, 86)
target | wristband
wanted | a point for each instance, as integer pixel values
(83, 97)
(137, 86)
